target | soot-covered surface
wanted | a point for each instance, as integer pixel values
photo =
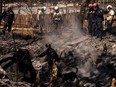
(95, 59)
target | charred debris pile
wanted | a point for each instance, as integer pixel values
(95, 60)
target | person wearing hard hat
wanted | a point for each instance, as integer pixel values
(43, 9)
(57, 16)
(109, 18)
(99, 20)
(41, 18)
(8, 16)
(91, 20)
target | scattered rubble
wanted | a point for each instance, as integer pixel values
(94, 59)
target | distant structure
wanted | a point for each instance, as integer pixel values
(105, 1)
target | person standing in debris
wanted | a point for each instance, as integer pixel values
(91, 20)
(99, 20)
(8, 16)
(109, 18)
(51, 56)
(57, 16)
(41, 19)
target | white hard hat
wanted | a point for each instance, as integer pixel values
(113, 79)
(44, 8)
(56, 8)
(109, 6)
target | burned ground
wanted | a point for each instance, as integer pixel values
(96, 66)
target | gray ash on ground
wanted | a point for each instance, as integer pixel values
(95, 59)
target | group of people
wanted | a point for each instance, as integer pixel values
(96, 17)
(8, 17)
(56, 17)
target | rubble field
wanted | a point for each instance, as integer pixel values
(94, 58)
